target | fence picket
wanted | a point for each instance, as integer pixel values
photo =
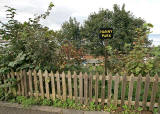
(58, 85)
(64, 85)
(130, 93)
(12, 75)
(47, 80)
(22, 82)
(75, 86)
(109, 89)
(146, 89)
(8, 77)
(96, 88)
(123, 89)
(90, 87)
(70, 84)
(116, 86)
(53, 86)
(86, 88)
(30, 82)
(19, 84)
(103, 91)
(41, 83)
(138, 90)
(154, 91)
(81, 87)
(25, 83)
(35, 83)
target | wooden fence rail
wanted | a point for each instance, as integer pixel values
(117, 90)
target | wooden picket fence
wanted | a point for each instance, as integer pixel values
(84, 88)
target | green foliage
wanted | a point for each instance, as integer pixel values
(127, 110)
(70, 32)
(26, 102)
(110, 108)
(31, 45)
(46, 102)
(142, 59)
(122, 22)
(10, 84)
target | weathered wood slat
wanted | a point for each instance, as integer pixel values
(64, 86)
(25, 83)
(47, 80)
(58, 85)
(8, 77)
(41, 83)
(19, 84)
(35, 83)
(22, 82)
(86, 88)
(75, 87)
(103, 91)
(53, 86)
(14, 77)
(130, 93)
(138, 91)
(154, 91)
(116, 86)
(90, 87)
(81, 87)
(109, 89)
(123, 91)
(96, 88)
(5, 82)
(30, 82)
(70, 84)
(146, 89)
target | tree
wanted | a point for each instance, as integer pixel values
(70, 31)
(123, 23)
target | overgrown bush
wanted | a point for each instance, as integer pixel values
(31, 45)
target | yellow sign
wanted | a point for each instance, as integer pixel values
(106, 33)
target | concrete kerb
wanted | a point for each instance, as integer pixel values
(14, 108)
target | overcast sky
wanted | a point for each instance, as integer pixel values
(146, 9)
